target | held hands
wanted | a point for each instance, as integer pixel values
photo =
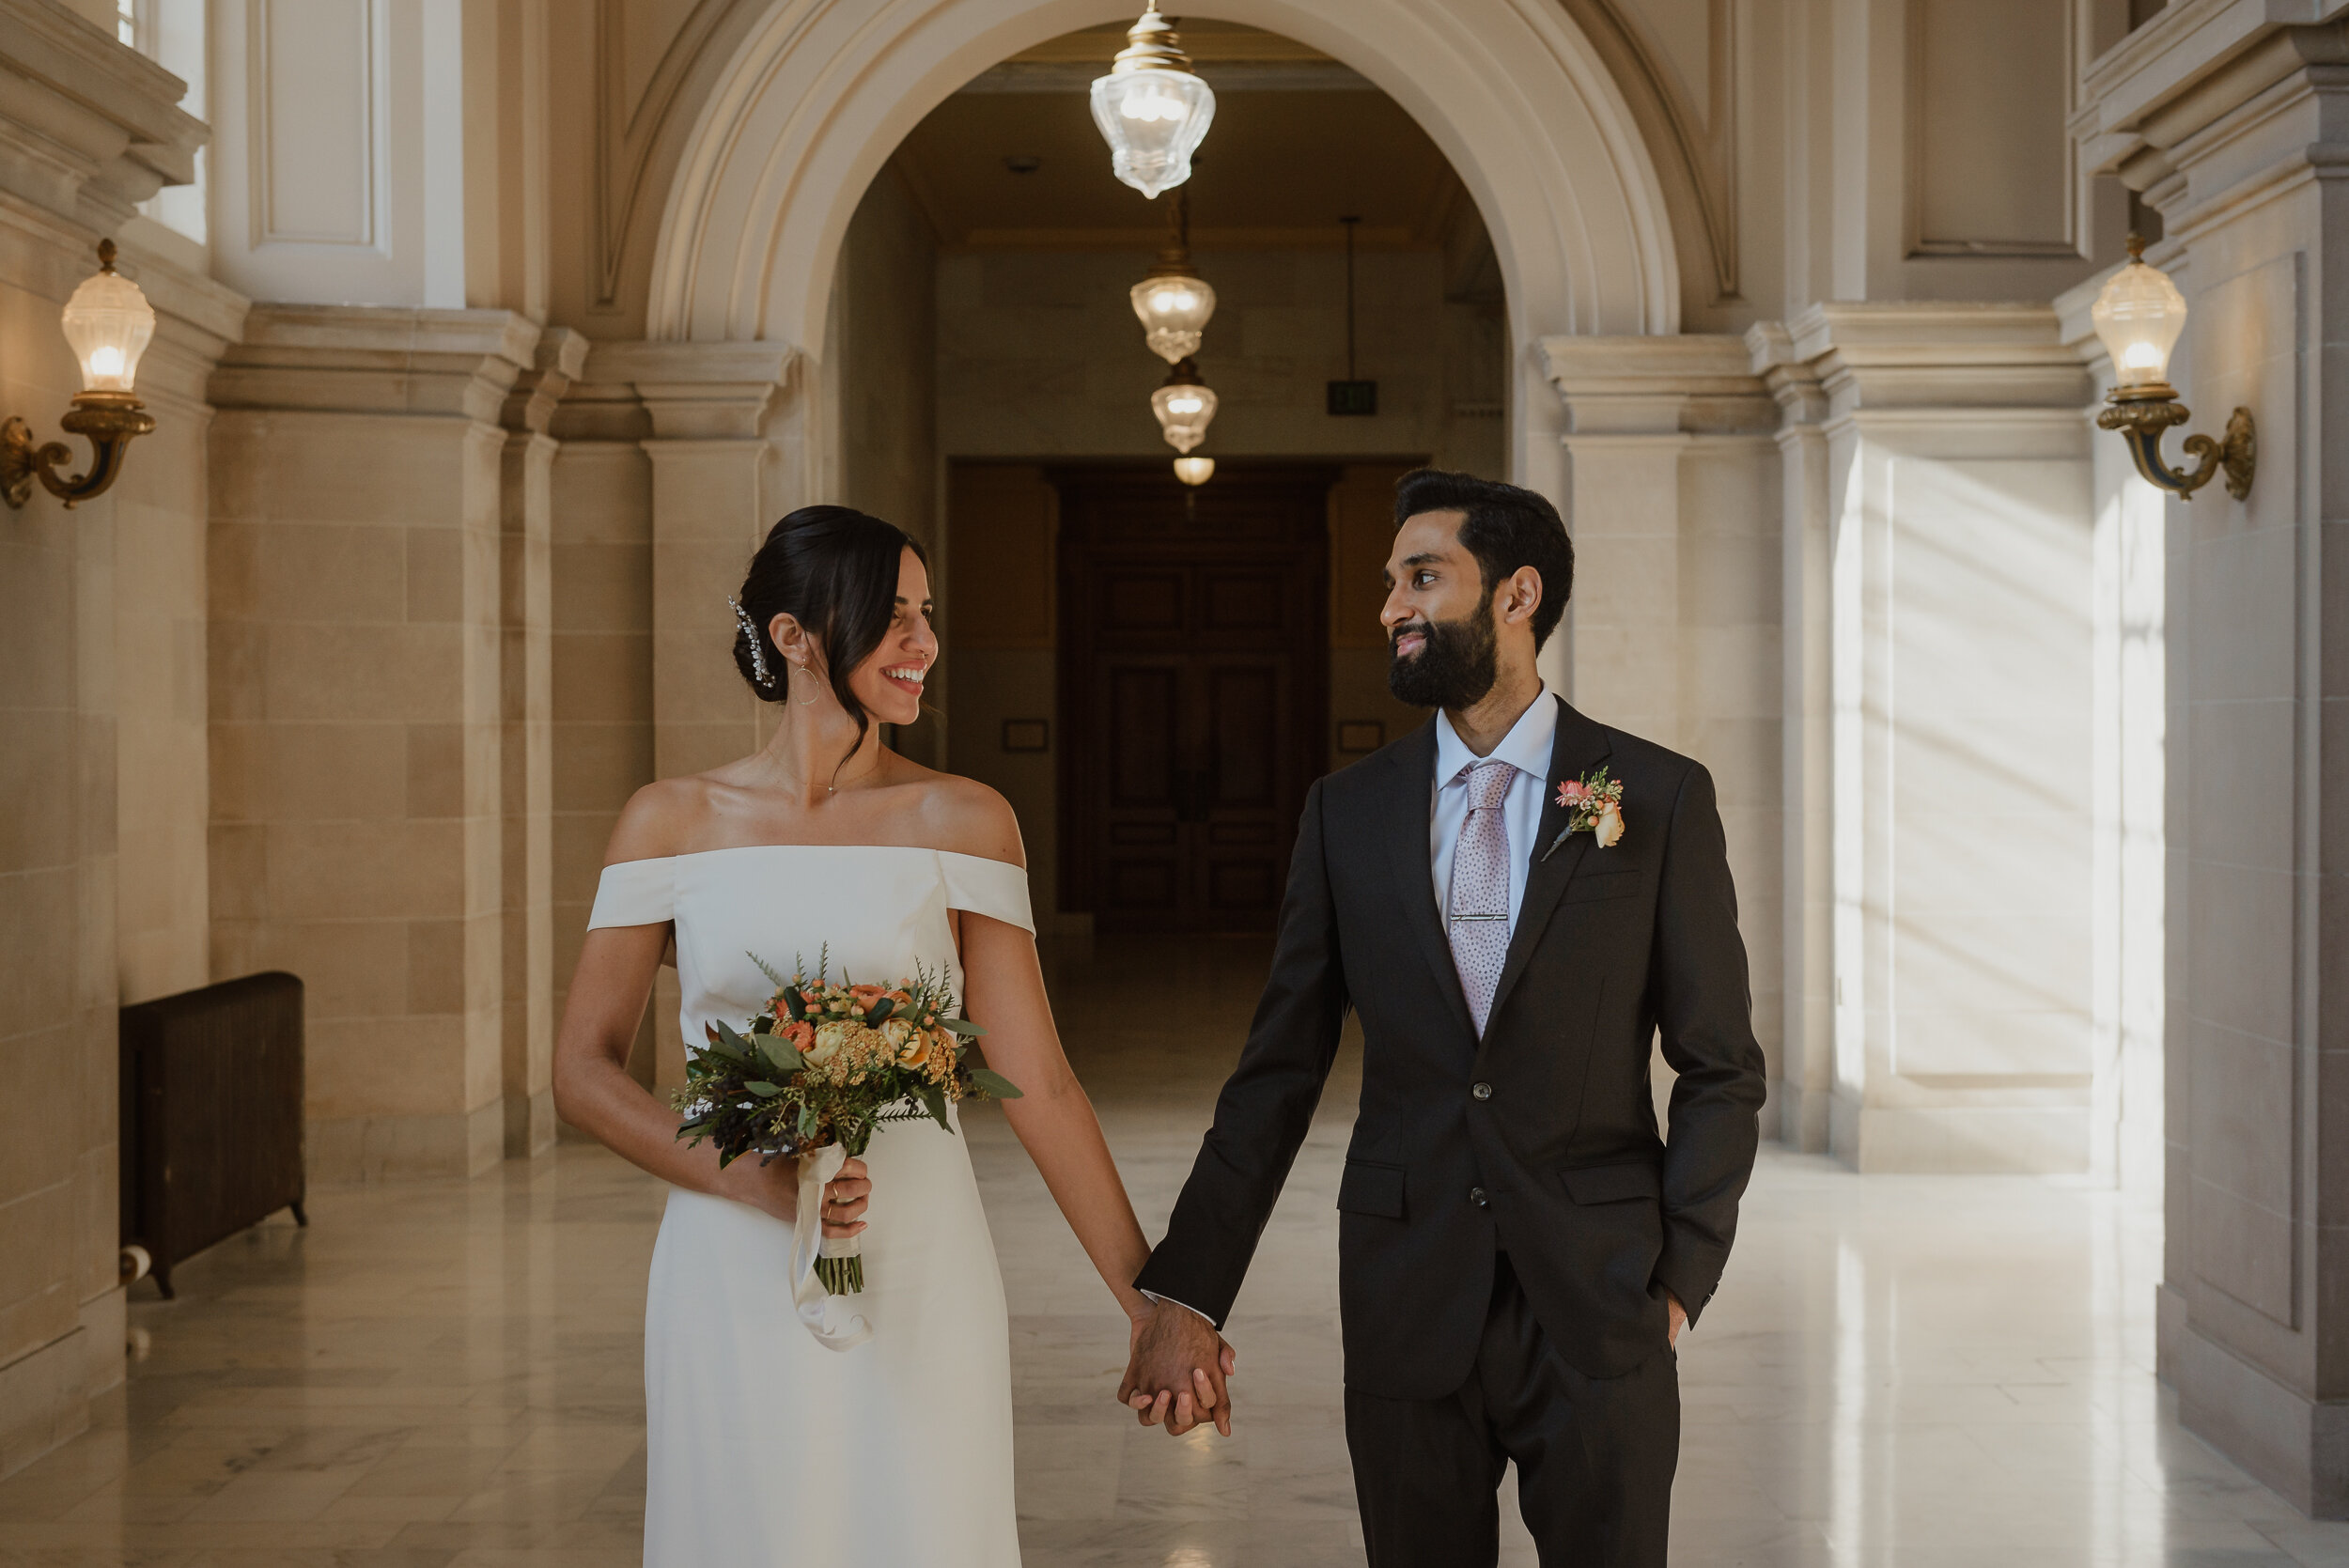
(1177, 1370)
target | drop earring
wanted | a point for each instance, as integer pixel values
(808, 700)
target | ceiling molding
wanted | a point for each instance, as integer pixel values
(1075, 77)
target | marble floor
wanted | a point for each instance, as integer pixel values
(1897, 1371)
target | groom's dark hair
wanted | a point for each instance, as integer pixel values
(1505, 528)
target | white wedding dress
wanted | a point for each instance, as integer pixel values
(767, 1448)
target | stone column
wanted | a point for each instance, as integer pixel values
(726, 458)
(1673, 632)
(1943, 518)
(2244, 156)
(526, 702)
(359, 808)
(1807, 824)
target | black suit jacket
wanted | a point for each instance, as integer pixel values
(1541, 1137)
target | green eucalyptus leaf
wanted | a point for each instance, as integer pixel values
(995, 1085)
(763, 1090)
(963, 1027)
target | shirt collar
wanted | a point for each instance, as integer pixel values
(1527, 747)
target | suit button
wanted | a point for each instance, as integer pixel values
(1476, 1196)
(1483, 1091)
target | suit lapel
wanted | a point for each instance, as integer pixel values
(1409, 791)
(1581, 746)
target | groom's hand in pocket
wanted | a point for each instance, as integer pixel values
(1177, 1371)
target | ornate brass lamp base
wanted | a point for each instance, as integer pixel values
(2142, 413)
(111, 420)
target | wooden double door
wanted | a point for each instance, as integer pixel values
(1194, 690)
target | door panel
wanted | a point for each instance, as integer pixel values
(1193, 690)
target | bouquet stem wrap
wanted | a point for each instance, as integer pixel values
(811, 1296)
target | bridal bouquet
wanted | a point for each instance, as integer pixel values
(820, 1068)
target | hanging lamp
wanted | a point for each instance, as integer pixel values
(1184, 405)
(1175, 302)
(1152, 108)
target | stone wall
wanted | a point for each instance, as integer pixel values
(102, 784)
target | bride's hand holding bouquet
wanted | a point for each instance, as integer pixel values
(821, 1067)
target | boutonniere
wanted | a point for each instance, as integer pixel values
(1596, 802)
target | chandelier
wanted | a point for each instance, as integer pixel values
(1173, 302)
(1184, 405)
(1152, 108)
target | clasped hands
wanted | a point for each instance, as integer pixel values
(1177, 1367)
(1176, 1370)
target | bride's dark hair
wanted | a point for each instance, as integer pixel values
(834, 570)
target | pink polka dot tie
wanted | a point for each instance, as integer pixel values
(1476, 908)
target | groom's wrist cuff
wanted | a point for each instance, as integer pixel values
(1169, 1300)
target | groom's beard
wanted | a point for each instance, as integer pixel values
(1453, 668)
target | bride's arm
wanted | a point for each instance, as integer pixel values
(594, 1093)
(1054, 1121)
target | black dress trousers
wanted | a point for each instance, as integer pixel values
(1595, 1455)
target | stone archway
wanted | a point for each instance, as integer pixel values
(818, 95)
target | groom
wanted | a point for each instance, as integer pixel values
(1518, 1248)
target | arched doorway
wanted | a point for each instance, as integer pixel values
(1511, 90)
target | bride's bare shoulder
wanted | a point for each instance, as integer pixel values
(967, 817)
(659, 820)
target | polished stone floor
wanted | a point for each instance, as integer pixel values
(1897, 1371)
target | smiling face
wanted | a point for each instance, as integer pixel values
(1440, 640)
(889, 682)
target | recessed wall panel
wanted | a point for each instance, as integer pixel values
(314, 78)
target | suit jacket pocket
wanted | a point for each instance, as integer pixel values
(1609, 1184)
(1367, 1188)
(1590, 886)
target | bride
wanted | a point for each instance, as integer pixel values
(773, 1440)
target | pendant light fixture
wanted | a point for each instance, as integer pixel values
(1152, 108)
(1173, 302)
(1184, 405)
(1195, 471)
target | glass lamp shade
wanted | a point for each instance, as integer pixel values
(1185, 405)
(1151, 109)
(1173, 308)
(1194, 471)
(2139, 314)
(109, 322)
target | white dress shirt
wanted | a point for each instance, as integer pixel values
(1525, 747)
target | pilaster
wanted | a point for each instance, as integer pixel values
(2237, 128)
(1673, 630)
(359, 717)
(1937, 563)
(526, 761)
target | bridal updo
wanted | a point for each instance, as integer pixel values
(834, 570)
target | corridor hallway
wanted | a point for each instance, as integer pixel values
(1912, 1371)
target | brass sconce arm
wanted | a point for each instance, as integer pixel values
(111, 420)
(2141, 414)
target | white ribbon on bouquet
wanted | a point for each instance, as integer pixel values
(827, 1315)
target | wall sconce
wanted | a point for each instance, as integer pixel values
(108, 321)
(2139, 314)
(1195, 471)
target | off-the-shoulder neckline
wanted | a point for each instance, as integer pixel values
(902, 849)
